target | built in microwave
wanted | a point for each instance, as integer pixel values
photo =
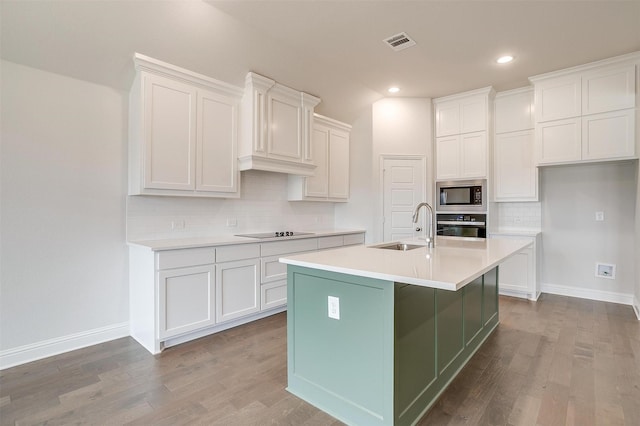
(462, 196)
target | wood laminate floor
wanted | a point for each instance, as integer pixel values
(560, 361)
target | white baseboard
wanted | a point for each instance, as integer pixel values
(47, 348)
(636, 306)
(586, 293)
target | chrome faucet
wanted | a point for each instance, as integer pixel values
(431, 242)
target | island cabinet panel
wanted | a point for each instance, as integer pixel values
(345, 365)
(415, 337)
(472, 310)
(450, 327)
(392, 348)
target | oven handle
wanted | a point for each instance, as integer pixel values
(459, 222)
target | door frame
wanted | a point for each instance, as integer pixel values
(383, 157)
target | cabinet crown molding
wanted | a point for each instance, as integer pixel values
(146, 63)
(489, 91)
(630, 58)
(332, 121)
(526, 89)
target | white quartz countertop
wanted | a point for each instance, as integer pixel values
(225, 240)
(450, 265)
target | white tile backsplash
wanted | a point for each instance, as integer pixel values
(263, 206)
(525, 216)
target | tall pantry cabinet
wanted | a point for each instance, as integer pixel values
(463, 126)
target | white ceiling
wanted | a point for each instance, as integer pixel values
(332, 49)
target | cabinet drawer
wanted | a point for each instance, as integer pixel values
(186, 257)
(238, 252)
(330, 242)
(291, 246)
(353, 239)
(273, 295)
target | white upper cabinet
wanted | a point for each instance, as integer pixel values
(276, 128)
(608, 89)
(558, 98)
(182, 133)
(462, 134)
(330, 151)
(587, 113)
(514, 168)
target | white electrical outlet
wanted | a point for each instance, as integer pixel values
(177, 224)
(334, 307)
(606, 270)
(600, 216)
(231, 222)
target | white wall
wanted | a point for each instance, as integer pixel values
(401, 126)
(263, 206)
(64, 258)
(572, 241)
(357, 212)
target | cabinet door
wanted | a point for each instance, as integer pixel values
(284, 127)
(216, 143)
(237, 289)
(608, 135)
(473, 148)
(447, 118)
(514, 112)
(558, 98)
(516, 175)
(608, 89)
(273, 295)
(559, 141)
(473, 114)
(169, 134)
(186, 300)
(318, 184)
(339, 165)
(448, 157)
(515, 273)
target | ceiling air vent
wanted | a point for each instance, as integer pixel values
(399, 41)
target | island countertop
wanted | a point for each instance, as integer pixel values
(450, 265)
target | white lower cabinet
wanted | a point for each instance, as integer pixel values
(186, 300)
(237, 289)
(518, 275)
(183, 294)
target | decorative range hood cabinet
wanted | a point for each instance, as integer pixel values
(275, 131)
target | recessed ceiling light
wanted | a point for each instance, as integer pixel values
(394, 89)
(504, 59)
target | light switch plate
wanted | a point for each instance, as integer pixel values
(334, 307)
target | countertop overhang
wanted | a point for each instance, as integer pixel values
(450, 265)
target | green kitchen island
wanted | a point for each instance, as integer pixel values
(375, 335)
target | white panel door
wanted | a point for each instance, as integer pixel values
(558, 98)
(284, 130)
(216, 143)
(169, 133)
(514, 112)
(186, 300)
(318, 184)
(403, 188)
(237, 289)
(609, 89)
(473, 114)
(559, 141)
(608, 135)
(473, 155)
(516, 175)
(447, 118)
(273, 295)
(339, 165)
(448, 157)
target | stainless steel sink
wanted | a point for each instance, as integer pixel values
(398, 246)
